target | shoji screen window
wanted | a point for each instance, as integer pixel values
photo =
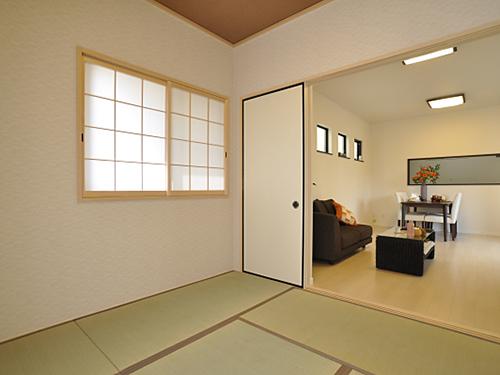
(197, 141)
(144, 134)
(124, 131)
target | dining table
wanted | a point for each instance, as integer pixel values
(444, 206)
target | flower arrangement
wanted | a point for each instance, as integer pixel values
(427, 174)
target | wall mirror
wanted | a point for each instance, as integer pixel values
(460, 170)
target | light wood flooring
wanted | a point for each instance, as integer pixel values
(461, 286)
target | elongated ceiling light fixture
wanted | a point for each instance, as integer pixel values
(446, 101)
(429, 56)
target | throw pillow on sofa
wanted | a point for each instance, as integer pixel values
(344, 215)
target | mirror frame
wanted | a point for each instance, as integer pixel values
(411, 183)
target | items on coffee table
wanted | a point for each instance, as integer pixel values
(397, 251)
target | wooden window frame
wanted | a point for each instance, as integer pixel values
(85, 55)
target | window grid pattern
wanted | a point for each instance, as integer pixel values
(124, 122)
(197, 138)
(137, 141)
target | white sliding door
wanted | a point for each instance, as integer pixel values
(273, 126)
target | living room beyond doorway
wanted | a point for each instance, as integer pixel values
(369, 123)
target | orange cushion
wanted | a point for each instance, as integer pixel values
(344, 215)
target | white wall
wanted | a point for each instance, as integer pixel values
(336, 35)
(345, 180)
(453, 132)
(60, 258)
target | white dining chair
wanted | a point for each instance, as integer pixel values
(402, 196)
(452, 218)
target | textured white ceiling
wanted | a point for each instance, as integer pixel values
(395, 91)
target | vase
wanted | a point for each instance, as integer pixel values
(423, 192)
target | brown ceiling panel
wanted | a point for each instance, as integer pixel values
(235, 20)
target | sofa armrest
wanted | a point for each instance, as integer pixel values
(326, 237)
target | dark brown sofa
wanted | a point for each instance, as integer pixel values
(333, 240)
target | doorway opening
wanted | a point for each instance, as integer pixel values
(377, 118)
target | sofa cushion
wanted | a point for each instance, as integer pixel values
(330, 208)
(349, 236)
(365, 231)
(324, 206)
(319, 206)
(344, 215)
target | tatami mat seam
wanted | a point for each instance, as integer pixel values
(307, 347)
(97, 346)
(395, 313)
(181, 344)
(110, 308)
(343, 370)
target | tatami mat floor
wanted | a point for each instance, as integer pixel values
(240, 348)
(136, 331)
(460, 285)
(242, 324)
(373, 340)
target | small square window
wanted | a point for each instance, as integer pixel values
(323, 139)
(342, 145)
(358, 150)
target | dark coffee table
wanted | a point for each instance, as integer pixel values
(395, 251)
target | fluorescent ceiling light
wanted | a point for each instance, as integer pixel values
(447, 101)
(429, 56)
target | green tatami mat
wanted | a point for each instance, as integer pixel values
(133, 332)
(239, 348)
(60, 350)
(375, 341)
